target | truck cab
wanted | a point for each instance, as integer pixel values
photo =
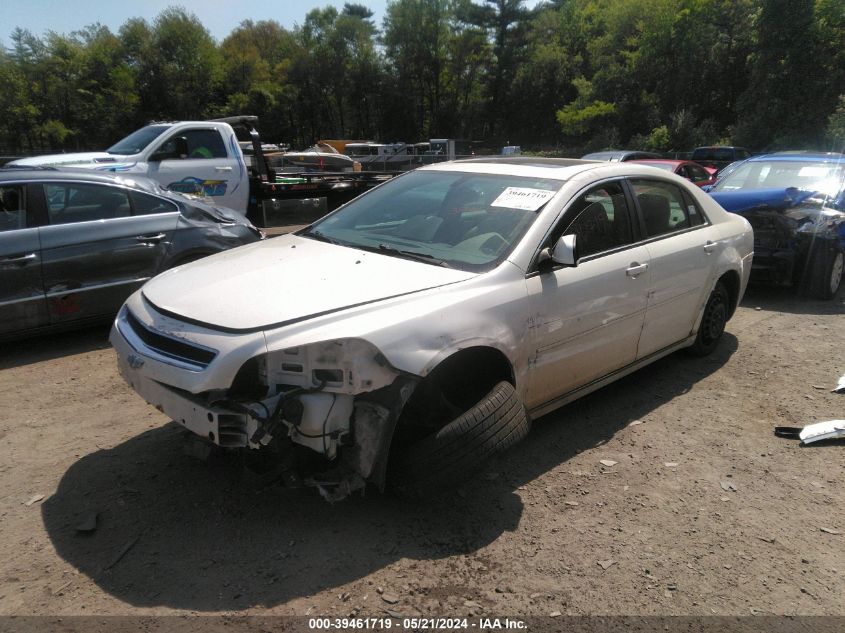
(200, 157)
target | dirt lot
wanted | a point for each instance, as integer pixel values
(704, 512)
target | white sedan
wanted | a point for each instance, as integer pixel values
(418, 329)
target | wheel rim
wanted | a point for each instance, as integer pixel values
(713, 323)
(836, 272)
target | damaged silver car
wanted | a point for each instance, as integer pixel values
(417, 330)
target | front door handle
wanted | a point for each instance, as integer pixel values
(709, 246)
(222, 169)
(18, 260)
(635, 269)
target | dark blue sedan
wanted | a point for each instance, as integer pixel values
(795, 201)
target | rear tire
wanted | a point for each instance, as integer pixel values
(449, 456)
(712, 321)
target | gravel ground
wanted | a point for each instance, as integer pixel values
(696, 509)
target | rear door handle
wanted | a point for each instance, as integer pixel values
(709, 246)
(636, 269)
(18, 260)
(150, 238)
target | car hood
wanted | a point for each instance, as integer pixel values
(285, 280)
(94, 160)
(750, 199)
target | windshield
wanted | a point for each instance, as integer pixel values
(460, 220)
(822, 177)
(138, 140)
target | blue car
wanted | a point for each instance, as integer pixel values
(795, 201)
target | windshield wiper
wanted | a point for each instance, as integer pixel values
(322, 237)
(420, 257)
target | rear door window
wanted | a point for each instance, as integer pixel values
(663, 207)
(145, 204)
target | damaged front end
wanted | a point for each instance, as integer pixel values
(791, 226)
(323, 413)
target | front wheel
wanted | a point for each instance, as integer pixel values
(824, 272)
(712, 321)
(454, 453)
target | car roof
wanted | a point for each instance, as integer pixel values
(800, 156)
(550, 168)
(65, 173)
(614, 153)
(665, 161)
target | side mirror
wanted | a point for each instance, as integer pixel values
(564, 252)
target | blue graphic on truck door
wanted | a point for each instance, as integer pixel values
(199, 186)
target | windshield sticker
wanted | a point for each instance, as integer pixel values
(523, 198)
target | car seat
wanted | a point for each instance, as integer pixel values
(657, 214)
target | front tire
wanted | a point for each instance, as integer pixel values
(824, 272)
(713, 321)
(452, 454)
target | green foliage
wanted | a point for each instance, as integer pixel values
(659, 140)
(656, 74)
(835, 132)
(577, 119)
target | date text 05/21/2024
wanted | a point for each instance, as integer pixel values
(417, 624)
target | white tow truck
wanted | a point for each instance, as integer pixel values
(222, 159)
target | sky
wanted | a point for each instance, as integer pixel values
(218, 16)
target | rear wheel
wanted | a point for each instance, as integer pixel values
(449, 456)
(712, 321)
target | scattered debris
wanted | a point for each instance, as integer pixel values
(344, 596)
(728, 486)
(636, 422)
(819, 387)
(840, 387)
(606, 564)
(670, 464)
(33, 499)
(58, 590)
(389, 598)
(393, 613)
(555, 614)
(88, 524)
(724, 498)
(822, 431)
(829, 530)
(472, 604)
(608, 462)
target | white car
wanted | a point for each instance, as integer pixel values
(418, 329)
